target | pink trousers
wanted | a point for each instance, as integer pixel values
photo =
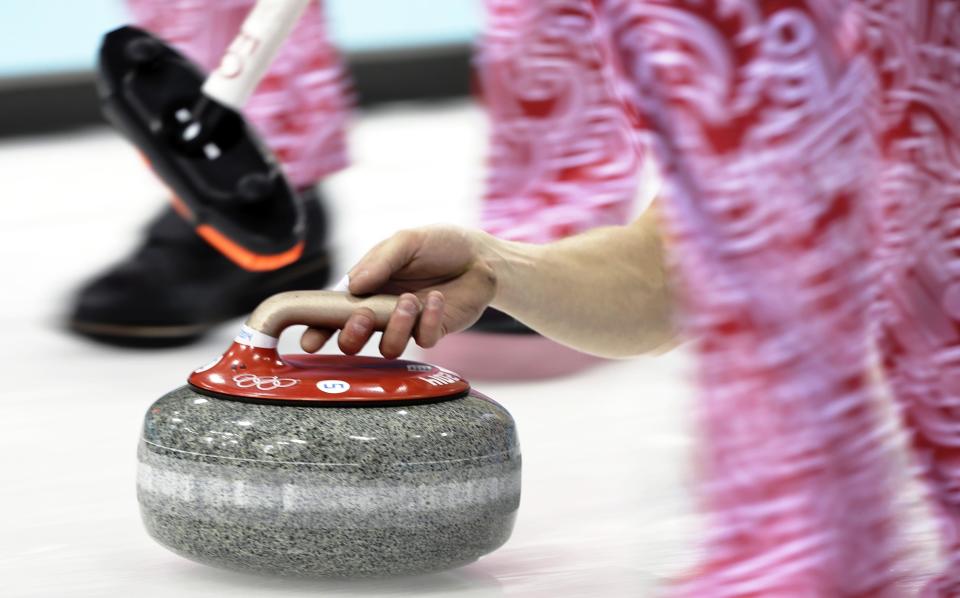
(811, 157)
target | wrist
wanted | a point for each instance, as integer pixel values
(510, 263)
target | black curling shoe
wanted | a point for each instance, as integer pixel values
(494, 321)
(175, 287)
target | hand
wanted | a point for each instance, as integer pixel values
(444, 276)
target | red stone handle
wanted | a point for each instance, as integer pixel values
(252, 369)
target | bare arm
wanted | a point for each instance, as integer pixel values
(604, 292)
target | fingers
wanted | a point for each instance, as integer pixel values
(381, 262)
(357, 331)
(400, 327)
(430, 328)
(424, 320)
(313, 339)
(359, 328)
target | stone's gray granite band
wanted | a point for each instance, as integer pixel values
(374, 437)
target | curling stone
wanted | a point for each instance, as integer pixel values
(323, 465)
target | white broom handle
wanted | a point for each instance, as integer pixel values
(249, 56)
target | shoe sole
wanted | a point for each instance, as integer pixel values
(155, 336)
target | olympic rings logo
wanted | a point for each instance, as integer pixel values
(263, 383)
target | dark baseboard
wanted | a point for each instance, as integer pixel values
(51, 104)
(411, 74)
(48, 104)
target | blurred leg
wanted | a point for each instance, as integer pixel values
(915, 45)
(759, 111)
(563, 154)
(300, 107)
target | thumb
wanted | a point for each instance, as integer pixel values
(377, 267)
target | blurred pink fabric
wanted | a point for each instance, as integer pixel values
(811, 156)
(564, 151)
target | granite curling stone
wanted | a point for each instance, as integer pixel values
(326, 466)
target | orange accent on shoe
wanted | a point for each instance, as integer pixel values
(245, 258)
(241, 256)
(181, 208)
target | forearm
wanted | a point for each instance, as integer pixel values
(604, 292)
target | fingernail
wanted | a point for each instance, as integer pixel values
(434, 300)
(407, 306)
(344, 285)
